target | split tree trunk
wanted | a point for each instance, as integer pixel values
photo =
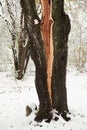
(61, 29)
(38, 55)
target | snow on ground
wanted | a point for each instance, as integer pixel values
(15, 95)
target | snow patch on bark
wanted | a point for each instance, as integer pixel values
(36, 21)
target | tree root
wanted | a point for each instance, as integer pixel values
(41, 115)
(64, 116)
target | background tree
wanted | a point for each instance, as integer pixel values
(77, 56)
(20, 45)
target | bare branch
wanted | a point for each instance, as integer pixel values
(11, 14)
(7, 22)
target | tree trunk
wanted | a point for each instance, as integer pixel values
(61, 29)
(37, 52)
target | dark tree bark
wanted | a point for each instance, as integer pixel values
(38, 55)
(61, 29)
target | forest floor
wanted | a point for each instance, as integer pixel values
(16, 95)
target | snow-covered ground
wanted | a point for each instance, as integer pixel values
(15, 95)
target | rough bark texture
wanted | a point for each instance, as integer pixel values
(61, 29)
(38, 55)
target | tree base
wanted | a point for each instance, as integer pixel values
(41, 115)
(64, 116)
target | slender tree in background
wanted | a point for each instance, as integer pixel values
(61, 29)
(22, 53)
(21, 56)
(13, 33)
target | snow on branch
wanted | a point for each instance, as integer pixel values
(10, 25)
(10, 13)
(1, 7)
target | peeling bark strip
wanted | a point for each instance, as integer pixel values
(46, 29)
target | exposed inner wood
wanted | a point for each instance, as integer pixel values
(46, 29)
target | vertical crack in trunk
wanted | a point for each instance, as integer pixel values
(46, 29)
